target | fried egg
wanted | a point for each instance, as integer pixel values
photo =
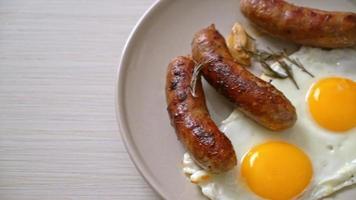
(313, 159)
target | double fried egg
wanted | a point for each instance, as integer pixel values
(313, 159)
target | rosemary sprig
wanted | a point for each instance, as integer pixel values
(297, 63)
(286, 68)
(263, 57)
(289, 72)
(196, 75)
(270, 72)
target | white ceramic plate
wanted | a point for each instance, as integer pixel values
(165, 31)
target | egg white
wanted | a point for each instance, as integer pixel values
(332, 155)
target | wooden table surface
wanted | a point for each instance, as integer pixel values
(58, 133)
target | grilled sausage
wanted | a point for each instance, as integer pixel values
(210, 148)
(302, 25)
(256, 98)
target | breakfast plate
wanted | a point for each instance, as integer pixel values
(164, 32)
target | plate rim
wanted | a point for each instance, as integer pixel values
(123, 127)
(119, 100)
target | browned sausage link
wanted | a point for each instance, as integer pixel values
(256, 98)
(302, 25)
(210, 148)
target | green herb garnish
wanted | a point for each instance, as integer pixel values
(196, 75)
(263, 57)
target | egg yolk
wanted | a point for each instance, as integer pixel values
(332, 103)
(276, 170)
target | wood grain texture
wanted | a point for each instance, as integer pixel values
(58, 132)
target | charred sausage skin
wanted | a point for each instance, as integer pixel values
(210, 148)
(256, 98)
(302, 25)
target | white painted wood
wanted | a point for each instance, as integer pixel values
(58, 132)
